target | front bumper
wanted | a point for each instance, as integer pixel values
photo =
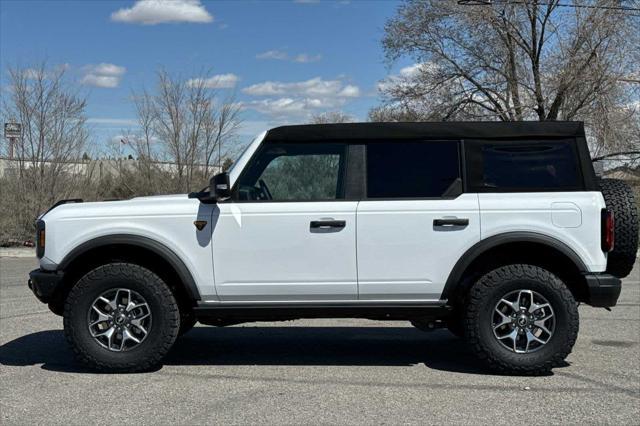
(603, 290)
(45, 284)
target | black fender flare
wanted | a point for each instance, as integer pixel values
(138, 241)
(483, 246)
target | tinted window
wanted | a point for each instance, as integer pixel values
(412, 169)
(522, 165)
(294, 172)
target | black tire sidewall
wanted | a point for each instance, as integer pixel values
(91, 286)
(539, 361)
(619, 199)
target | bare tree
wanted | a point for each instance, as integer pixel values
(331, 117)
(222, 127)
(143, 144)
(396, 112)
(53, 140)
(516, 61)
(190, 123)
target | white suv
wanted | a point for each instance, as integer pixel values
(494, 230)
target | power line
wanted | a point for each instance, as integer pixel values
(575, 6)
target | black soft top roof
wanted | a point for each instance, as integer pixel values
(427, 130)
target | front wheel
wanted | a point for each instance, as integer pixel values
(121, 317)
(521, 319)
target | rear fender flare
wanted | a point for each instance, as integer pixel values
(483, 246)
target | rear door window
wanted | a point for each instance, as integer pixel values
(424, 169)
(523, 166)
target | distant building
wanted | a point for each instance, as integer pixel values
(96, 169)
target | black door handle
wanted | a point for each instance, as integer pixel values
(450, 222)
(326, 224)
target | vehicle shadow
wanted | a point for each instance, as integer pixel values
(255, 345)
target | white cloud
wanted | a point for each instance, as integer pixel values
(100, 121)
(281, 55)
(41, 73)
(103, 81)
(305, 57)
(152, 12)
(251, 128)
(292, 106)
(33, 74)
(103, 75)
(220, 81)
(315, 87)
(350, 91)
(405, 76)
(411, 70)
(299, 98)
(273, 54)
(109, 69)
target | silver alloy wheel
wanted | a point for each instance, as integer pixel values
(523, 321)
(119, 319)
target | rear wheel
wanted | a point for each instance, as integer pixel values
(121, 317)
(521, 319)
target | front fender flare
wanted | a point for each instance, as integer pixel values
(143, 242)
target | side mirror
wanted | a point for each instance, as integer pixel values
(220, 186)
(219, 189)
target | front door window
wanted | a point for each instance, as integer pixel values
(294, 172)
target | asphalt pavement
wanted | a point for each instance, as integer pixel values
(313, 371)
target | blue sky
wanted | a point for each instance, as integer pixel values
(285, 60)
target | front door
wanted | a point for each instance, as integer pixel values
(415, 222)
(288, 234)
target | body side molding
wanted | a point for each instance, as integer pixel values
(143, 242)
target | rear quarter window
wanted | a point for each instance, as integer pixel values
(527, 165)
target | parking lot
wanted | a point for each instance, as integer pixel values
(313, 371)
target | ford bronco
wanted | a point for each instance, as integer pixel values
(495, 230)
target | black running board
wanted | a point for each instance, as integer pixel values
(269, 311)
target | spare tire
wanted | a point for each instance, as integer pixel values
(619, 198)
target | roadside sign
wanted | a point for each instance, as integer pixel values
(12, 130)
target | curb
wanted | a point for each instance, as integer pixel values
(17, 252)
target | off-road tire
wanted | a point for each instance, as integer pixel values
(162, 304)
(619, 198)
(482, 299)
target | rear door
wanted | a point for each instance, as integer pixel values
(545, 176)
(415, 221)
